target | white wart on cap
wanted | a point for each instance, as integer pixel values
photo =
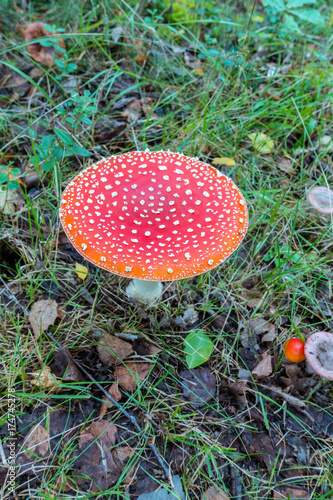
(157, 216)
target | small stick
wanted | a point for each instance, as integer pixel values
(125, 412)
(3, 456)
(10, 296)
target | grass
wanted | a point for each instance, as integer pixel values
(256, 80)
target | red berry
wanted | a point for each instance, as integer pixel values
(294, 350)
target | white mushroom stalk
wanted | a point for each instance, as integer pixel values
(153, 216)
(145, 292)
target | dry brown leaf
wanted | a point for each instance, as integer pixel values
(95, 468)
(269, 337)
(44, 379)
(38, 52)
(10, 199)
(14, 83)
(214, 494)
(128, 375)
(140, 59)
(37, 442)
(42, 315)
(292, 494)
(264, 368)
(101, 430)
(64, 367)
(121, 454)
(112, 350)
(115, 393)
(260, 325)
(285, 165)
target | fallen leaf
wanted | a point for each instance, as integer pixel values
(128, 375)
(285, 165)
(264, 368)
(189, 317)
(260, 446)
(321, 198)
(269, 337)
(132, 111)
(95, 467)
(64, 367)
(44, 379)
(198, 348)
(262, 142)
(44, 55)
(115, 393)
(145, 348)
(199, 386)
(36, 442)
(291, 494)
(163, 494)
(325, 143)
(81, 271)
(116, 33)
(199, 71)
(260, 325)
(9, 200)
(13, 83)
(121, 454)
(140, 59)
(214, 494)
(42, 315)
(228, 162)
(102, 430)
(112, 349)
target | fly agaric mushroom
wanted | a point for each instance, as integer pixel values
(319, 353)
(153, 216)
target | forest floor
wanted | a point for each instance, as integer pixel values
(203, 79)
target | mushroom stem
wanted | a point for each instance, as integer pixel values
(146, 292)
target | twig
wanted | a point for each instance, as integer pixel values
(3, 456)
(141, 7)
(10, 296)
(161, 461)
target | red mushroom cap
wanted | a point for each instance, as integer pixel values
(294, 350)
(319, 353)
(154, 215)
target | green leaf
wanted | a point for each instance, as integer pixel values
(49, 28)
(276, 5)
(78, 150)
(60, 64)
(295, 4)
(86, 120)
(46, 43)
(71, 67)
(198, 348)
(48, 166)
(290, 24)
(64, 136)
(13, 185)
(57, 153)
(3, 177)
(47, 141)
(261, 142)
(310, 15)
